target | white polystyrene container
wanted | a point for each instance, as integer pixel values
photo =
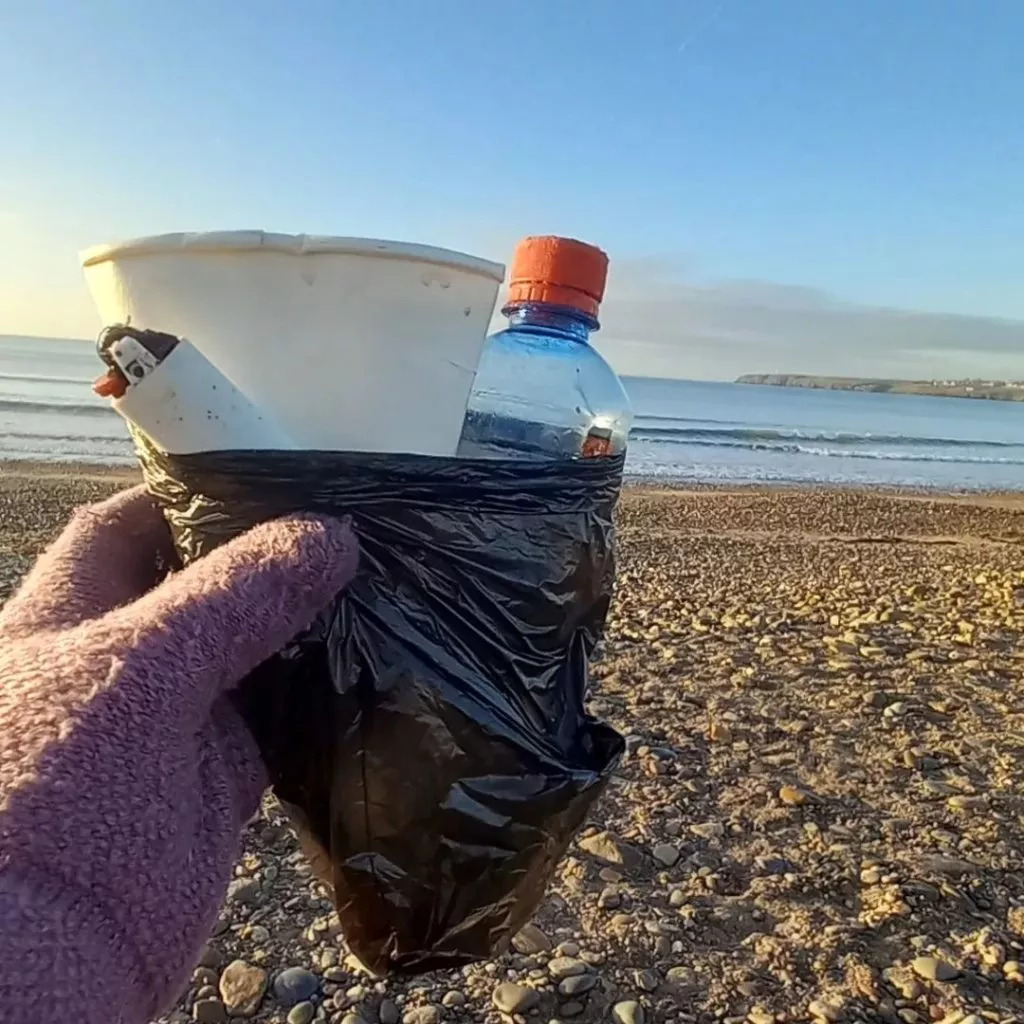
(349, 344)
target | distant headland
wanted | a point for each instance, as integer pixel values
(993, 390)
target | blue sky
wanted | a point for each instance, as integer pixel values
(829, 156)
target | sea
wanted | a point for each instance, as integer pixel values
(684, 430)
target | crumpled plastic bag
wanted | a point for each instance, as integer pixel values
(428, 734)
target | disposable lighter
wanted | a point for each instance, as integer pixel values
(171, 392)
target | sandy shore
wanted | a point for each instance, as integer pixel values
(822, 813)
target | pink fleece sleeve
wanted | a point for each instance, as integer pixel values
(125, 772)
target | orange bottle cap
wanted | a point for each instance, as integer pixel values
(561, 271)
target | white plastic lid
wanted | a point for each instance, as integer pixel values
(296, 245)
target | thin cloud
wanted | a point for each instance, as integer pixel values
(656, 323)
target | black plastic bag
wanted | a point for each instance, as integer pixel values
(428, 734)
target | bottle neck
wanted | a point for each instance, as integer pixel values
(544, 316)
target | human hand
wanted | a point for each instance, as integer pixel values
(125, 772)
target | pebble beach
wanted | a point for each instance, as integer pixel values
(820, 817)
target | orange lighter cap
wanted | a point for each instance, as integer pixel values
(561, 271)
(110, 385)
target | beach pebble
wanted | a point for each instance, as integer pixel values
(708, 829)
(577, 984)
(774, 866)
(610, 848)
(967, 804)
(792, 796)
(209, 1011)
(388, 1012)
(719, 732)
(666, 854)
(211, 957)
(511, 998)
(628, 1012)
(646, 980)
(933, 969)
(566, 967)
(204, 976)
(294, 985)
(951, 866)
(422, 1015)
(681, 976)
(242, 986)
(354, 965)
(301, 1013)
(826, 1010)
(244, 890)
(530, 940)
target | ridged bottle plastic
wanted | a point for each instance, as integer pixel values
(541, 390)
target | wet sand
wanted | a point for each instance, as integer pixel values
(821, 816)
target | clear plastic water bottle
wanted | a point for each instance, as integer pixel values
(541, 390)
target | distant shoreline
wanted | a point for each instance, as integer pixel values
(995, 391)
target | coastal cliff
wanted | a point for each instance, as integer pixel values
(993, 390)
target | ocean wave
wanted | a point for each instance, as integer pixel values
(20, 436)
(63, 447)
(64, 408)
(865, 475)
(57, 455)
(766, 437)
(659, 418)
(42, 378)
(890, 455)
